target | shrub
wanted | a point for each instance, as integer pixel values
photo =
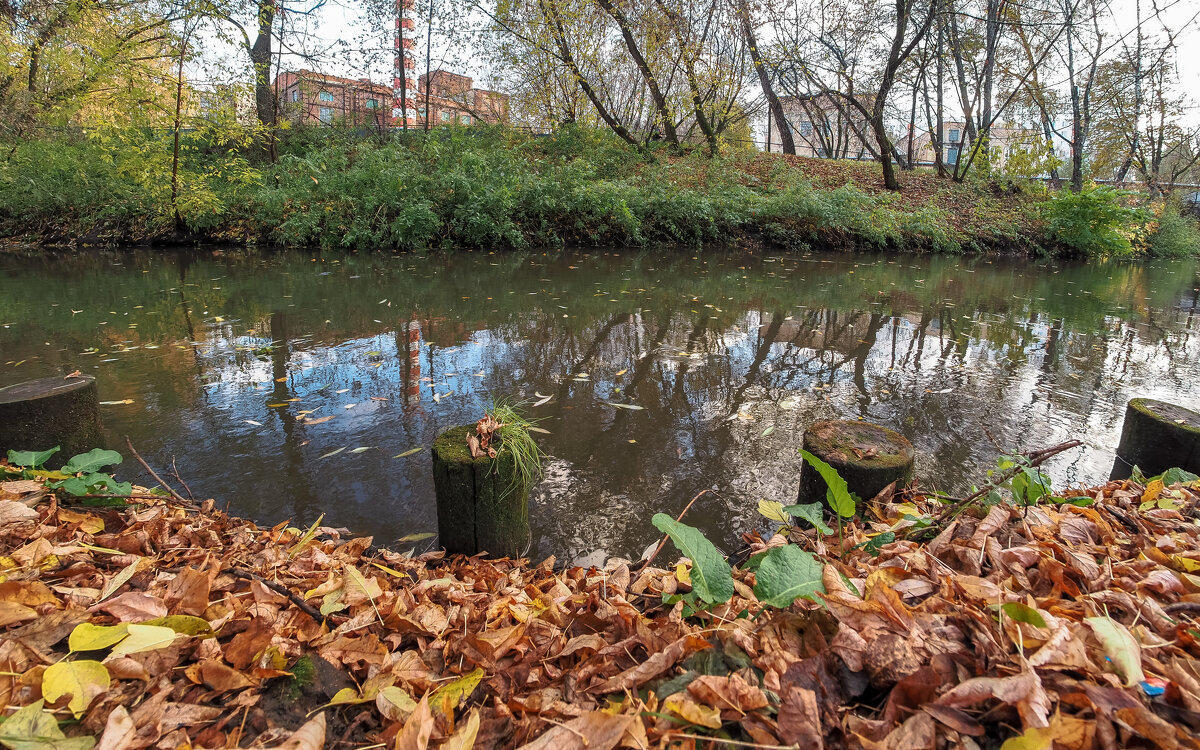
(1094, 222)
(1176, 235)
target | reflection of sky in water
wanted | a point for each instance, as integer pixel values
(730, 357)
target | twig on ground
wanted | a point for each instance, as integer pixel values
(1035, 458)
(303, 606)
(663, 543)
(175, 473)
(154, 474)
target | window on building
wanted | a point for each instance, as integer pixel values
(447, 115)
(326, 115)
(372, 104)
(952, 156)
(806, 129)
(295, 95)
(421, 112)
(955, 133)
(326, 96)
(465, 119)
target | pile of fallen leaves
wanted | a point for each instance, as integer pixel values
(161, 626)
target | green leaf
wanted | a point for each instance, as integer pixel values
(184, 624)
(96, 458)
(1023, 613)
(785, 574)
(89, 637)
(31, 459)
(813, 513)
(838, 495)
(83, 680)
(875, 543)
(1120, 648)
(452, 694)
(1177, 476)
(712, 578)
(31, 728)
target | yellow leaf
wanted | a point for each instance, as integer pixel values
(693, 712)
(395, 704)
(452, 694)
(89, 637)
(683, 574)
(144, 638)
(82, 680)
(120, 579)
(773, 510)
(464, 737)
(1034, 738)
(345, 697)
(1153, 490)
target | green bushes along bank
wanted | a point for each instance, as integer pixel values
(492, 187)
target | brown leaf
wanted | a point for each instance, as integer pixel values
(218, 676)
(119, 731)
(417, 730)
(653, 666)
(12, 511)
(1024, 691)
(730, 693)
(311, 736)
(133, 606)
(916, 733)
(188, 592)
(800, 719)
(249, 643)
(594, 730)
(12, 613)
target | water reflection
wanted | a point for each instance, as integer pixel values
(293, 385)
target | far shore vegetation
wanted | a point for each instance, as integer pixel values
(497, 187)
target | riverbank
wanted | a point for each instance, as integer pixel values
(492, 187)
(161, 625)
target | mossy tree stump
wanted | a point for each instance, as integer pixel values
(867, 456)
(39, 414)
(482, 504)
(1157, 436)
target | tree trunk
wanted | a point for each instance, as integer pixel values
(40, 414)
(260, 58)
(774, 106)
(635, 52)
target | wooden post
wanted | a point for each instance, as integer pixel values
(867, 456)
(480, 507)
(1157, 436)
(40, 414)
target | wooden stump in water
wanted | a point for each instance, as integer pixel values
(1157, 436)
(39, 414)
(867, 456)
(481, 507)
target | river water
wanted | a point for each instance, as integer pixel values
(250, 370)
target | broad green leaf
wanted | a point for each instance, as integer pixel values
(1120, 647)
(89, 637)
(93, 460)
(838, 494)
(875, 543)
(712, 578)
(31, 459)
(814, 513)
(31, 728)
(1023, 613)
(144, 638)
(786, 573)
(452, 694)
(83, 680)
(1177, 476)
(184, 624)
(774, 510)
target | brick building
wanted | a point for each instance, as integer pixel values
(310, 98)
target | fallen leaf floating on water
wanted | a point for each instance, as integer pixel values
(631, 407)
(409, 452)
(117, 403)
(1053, 624)
(318, 420)
(251, 421)
(541, 399)
(362, 449)
(333, 453)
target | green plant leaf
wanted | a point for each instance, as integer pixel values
(93, 460)
(838, 494)
(786, 573)
(1120, 647)
(1177, 476)
(31, 459)
(875, 543)
(83, 680)
(813, 513)
(712, 578)
(31, 728)
(1023, 613)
